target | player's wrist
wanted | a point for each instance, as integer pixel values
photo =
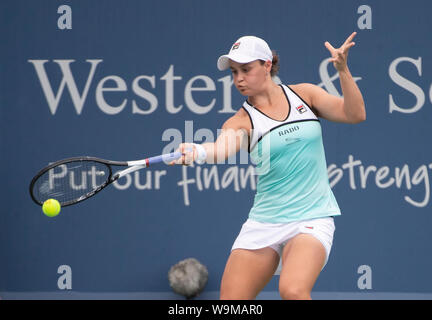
(201, 154)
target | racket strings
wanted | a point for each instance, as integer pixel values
(70, 181)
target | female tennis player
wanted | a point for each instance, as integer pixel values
(292, 216)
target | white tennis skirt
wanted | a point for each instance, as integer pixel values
(257, 235)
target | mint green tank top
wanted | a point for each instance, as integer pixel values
(290, 162)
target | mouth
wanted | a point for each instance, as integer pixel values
(243, 90)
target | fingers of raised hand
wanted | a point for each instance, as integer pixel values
(337, 55)
(329, 47)
(345, 46)
(349, 46)
(348, 42)
(350, 38)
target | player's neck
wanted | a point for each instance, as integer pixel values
(267, 97)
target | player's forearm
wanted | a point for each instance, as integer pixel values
(210, 149)
(227, 144)
(353, 100)
(217, 152)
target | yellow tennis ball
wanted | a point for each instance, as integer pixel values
(51, 207)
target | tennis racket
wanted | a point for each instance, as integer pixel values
(73, 180)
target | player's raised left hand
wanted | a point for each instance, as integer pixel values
(340, 55)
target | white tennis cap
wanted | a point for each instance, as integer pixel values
(245, 50)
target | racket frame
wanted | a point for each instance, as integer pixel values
(133, 166)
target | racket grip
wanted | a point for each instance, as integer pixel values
(168, 157)
(164, 158)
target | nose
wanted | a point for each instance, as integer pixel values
(239, 78)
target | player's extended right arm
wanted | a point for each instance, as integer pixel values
(228, 143)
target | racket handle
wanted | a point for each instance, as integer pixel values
(168, 157)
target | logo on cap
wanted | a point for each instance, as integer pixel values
(236, 46)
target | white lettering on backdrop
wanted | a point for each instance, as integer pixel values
(353, 173)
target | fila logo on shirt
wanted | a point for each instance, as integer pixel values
(301, 109)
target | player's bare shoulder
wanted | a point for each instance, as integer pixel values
(304, 90)
(239, 121)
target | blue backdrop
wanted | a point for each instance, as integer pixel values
(127, 80)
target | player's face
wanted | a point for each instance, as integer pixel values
(248, 77)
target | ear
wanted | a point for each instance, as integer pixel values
(268, 65)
